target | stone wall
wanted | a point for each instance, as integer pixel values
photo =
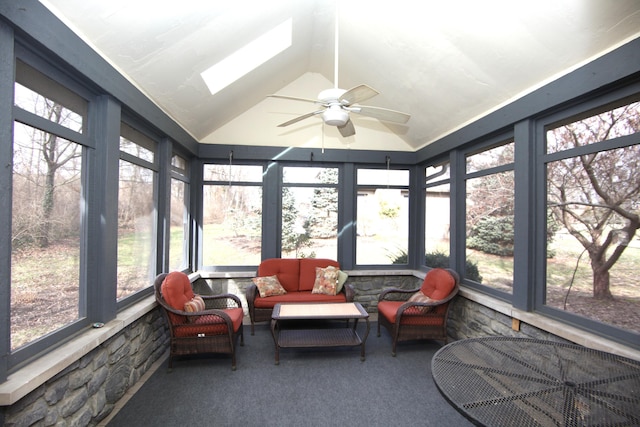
(468, 319)
(367, 288)
(86, 392)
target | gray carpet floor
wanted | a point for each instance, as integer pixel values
(310, 387)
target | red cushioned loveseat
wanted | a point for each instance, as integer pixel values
(297, 276)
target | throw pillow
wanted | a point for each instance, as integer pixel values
(269, 286)
(194, 305)
(419, 297)
(326, 281)
(342, 277)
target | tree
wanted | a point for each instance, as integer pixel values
(54, 153)
(596, 196)
(295, 236)
(324, 206)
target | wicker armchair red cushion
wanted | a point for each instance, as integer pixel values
(213, 330)
(409, 318)
(297, 276)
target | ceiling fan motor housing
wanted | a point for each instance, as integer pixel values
(334, 115)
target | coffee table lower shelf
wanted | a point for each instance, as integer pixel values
(312, 338)
(335, 333)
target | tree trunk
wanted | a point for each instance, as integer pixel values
(601, 277)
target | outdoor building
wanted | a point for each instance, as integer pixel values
(536, 205)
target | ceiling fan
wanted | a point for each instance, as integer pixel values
(338, 103)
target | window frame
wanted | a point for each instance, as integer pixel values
(558, 118)
(47, 70)
(411, 197)
(204, 182)
(459, 178)
(157, 233)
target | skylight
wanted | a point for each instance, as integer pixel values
(248, 57)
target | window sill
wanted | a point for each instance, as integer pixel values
(36, 373)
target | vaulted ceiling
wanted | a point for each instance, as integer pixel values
(446, 63)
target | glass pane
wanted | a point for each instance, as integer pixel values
(307, 175)
(179, 225)
(383, 177)
(490, 158)
(31, 101)
(437, 226)
(136, 143)
(593, 251)
(489, 228)
(611, 124)
(232, 230)
(40, 95)
(179, 163)
(382, 226)
(134, 149)
(438, 172)
(233, 173)
(310, 222)
(45, 257)
(136, 229)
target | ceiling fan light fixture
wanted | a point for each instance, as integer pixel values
(335, 116)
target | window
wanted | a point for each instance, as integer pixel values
(46, 212)
(437, 222)
(382, 216)
(136, 212)
(593, 205)
(232, 215)
(310, 212)
(179, 215)
(490, 216)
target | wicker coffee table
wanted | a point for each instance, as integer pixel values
(286, 318)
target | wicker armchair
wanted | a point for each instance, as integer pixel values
(215, 329)
(419, 314)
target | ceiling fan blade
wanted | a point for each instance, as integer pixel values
(381, 113)
(358, 94)
(299, 118)
(295, 98)
(347, 129)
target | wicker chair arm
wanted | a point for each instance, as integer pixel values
(395, 294)
(209, 312)
(349, 292)
(251, 291)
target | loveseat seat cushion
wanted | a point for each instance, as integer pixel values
(297, 297)
(308, 271)
(287, 270)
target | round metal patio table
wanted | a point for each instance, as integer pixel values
(504, 381)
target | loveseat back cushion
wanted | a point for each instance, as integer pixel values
(308, 271)
(438, 284)
(176, 290)
(286, 269)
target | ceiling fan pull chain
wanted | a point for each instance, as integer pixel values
(230, 164)
(388, 160)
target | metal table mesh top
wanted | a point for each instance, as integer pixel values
(503, 381)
